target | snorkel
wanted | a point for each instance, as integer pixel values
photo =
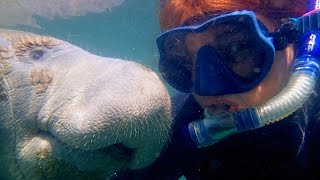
(303, 77)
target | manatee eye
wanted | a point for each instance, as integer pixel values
(37, 54)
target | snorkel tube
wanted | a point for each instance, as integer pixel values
(304, 75)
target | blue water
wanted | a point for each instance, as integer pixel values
(127, 31)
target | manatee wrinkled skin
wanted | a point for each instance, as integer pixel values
(69, 114)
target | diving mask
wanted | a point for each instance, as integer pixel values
(304, 75)
(237, 56)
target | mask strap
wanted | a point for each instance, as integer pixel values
(284, 34)
(292, 28)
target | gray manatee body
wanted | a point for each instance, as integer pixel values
(69, 114)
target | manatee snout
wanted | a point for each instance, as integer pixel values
(121, 104)
(72, 113)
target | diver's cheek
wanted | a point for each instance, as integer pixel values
(274, 82)
(202, 100)
(254, 97)
(289, 54)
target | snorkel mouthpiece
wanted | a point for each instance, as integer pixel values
(303, 77)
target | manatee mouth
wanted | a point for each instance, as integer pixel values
(46, 157)
(119, 152)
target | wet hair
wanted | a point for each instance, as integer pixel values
(174, 13)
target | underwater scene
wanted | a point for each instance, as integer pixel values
(159, 89)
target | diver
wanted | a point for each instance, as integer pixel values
(247, 74)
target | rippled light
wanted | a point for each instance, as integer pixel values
(23, 11)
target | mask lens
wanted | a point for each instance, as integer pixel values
(239, 51)
(178, 67)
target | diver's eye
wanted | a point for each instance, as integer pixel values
(37, 54)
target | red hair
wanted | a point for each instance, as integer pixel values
(175, 12)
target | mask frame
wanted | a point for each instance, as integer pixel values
(176, 66)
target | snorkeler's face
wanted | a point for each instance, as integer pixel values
(271, 85)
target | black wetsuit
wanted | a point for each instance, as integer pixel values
(287, 149)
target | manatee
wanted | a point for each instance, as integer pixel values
(68, 114)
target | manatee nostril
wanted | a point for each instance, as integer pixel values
(119, 152)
